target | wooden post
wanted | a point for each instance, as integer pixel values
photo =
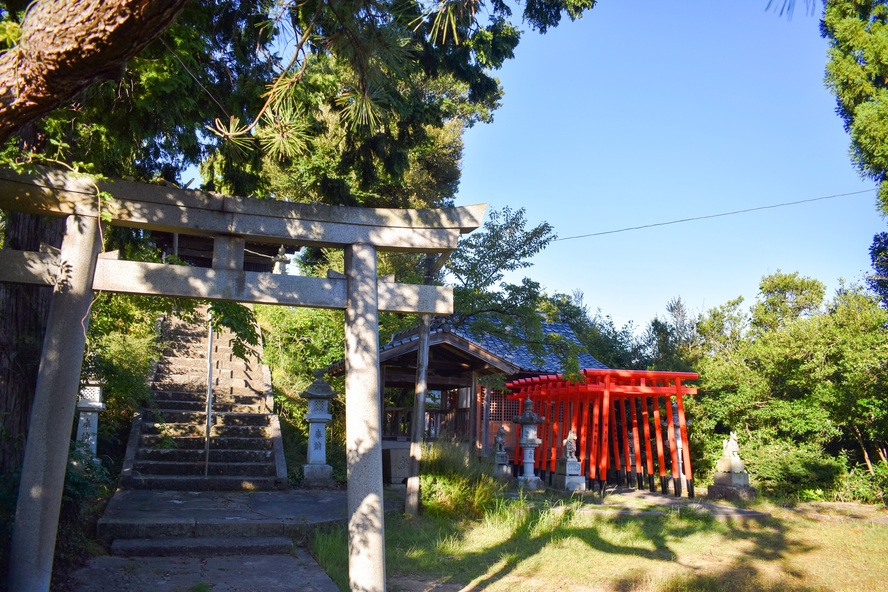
(673, 450)
(659, 434)
(636, 442)
(646, 424)
(686, 450)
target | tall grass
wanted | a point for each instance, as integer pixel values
(454, 483)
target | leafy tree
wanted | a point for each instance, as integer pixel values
(878, 282)
(672, 343)
(487, 304)
(784, 298)
(806, 377)
(856, 73)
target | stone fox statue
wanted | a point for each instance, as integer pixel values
(569, 446)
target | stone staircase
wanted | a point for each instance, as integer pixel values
(166, 449)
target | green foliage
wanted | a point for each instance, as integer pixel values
(241, 321)
(453, 483)
(807, 380)
(878, 281)
(487, 305)
(787, 470)
(860, 485)
(856, 73)
(784, 298)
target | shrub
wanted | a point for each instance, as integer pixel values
(861, 486)
(788, 471)
(453, 483)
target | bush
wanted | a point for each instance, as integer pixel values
(788, 471)
(453, 483)
(860, 486)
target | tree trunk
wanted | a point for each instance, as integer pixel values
(23, 314)
(866, 457)
(67, 45)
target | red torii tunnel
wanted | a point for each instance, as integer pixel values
(618, 418)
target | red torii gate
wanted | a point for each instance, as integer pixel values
(604, 410)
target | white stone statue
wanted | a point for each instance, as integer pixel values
(569, 446)
(730, 461)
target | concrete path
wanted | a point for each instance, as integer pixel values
(175, 519)
(252, 573)
(144, 513)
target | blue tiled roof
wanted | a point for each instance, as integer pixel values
(518, 355)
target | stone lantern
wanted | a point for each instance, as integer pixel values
(528, 420)
(89, 403)
(317, 472)
(280, 261)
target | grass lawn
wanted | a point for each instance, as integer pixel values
(582, 544)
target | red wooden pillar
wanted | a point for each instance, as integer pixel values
(636, 442)
(594, 460)
(659, 434)
(686, 450)
(615, 441)
(673, 450)
(624, 431)
(585, 429)
(575, 417)
(604, 459)
(646, 425)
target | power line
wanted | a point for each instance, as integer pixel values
(780, 205)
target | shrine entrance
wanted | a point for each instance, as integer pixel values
(619, 418)
(79, 269)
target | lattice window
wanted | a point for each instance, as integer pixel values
(502, 409)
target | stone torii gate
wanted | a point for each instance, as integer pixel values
(79, 269)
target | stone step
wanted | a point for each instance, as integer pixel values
(224, 455)
(220, 419)
(197, 442)
(229, 469)
(250, 397)
(211, 483)
(200, 405)
(195, 383)
(185, 429)
(200, 363)
(201, 547)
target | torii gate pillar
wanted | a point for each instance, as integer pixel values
(49, 433)
(363, 442)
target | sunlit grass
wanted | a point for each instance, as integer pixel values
(519, 546)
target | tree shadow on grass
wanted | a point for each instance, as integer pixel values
(647, 537)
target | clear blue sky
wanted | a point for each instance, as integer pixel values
(645, 112)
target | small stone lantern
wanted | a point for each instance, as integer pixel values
(317, 472)
(89, 403)
(528, 420)
(280, 262)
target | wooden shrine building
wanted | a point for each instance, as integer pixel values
(458, 361)
(619, 418)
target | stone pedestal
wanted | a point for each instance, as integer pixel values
(396, 464)
(317, 475)
(732, 487)
(568, 476)
(500, 465)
